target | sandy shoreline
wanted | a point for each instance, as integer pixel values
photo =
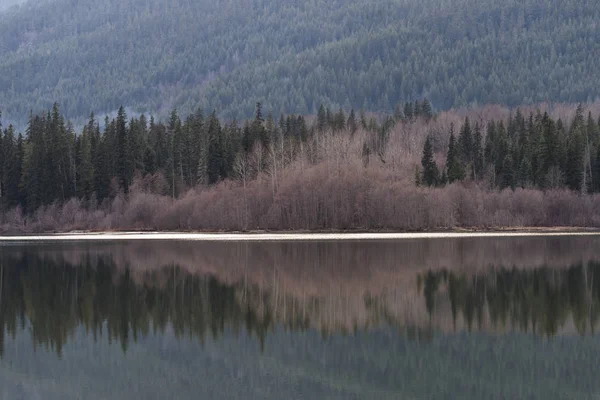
(296, 236)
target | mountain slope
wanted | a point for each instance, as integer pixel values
(4, 4)
(153, 55)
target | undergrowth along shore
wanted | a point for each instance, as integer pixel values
(317, 198)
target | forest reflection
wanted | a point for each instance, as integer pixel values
(127, 290)
(541, 300)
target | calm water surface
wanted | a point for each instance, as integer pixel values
(418, 319)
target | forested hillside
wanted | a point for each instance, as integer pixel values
(156, 55)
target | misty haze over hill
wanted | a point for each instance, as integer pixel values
(4, 4)
(154, 55)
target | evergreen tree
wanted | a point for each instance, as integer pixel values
(321, 119)
(478, 152)
(575, 161)
(352, 124)
(417, 110)
(597, 171)
(122, 146)
(178, 143)
(465, 143)
(489, 153)
(507, 173)
(398, 113)
(430, 169)
(525, 173)
(340, 120)
(408, 111)
(454, 168)
(34, 163)
(86, 166)
(11, 169)
(426, 109)
(215, 168)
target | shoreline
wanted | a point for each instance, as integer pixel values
(299, 235)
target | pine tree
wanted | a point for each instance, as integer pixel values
(408, 111)
(215, 150)
(321, 119)
(363, 120)
(417, 110)
(430, 169)
(465, 143)
(2, 183)
(525, 173)
(122, 147)
(477, 152)
(20, 160)
(426, 109)
(597, 171)
(489, 153)
(454, 168)
(575, 161)
(34, 163)
(340, 120)
(352, 124)
(507, 175)
(86, 167)
(178, 142)
(398, 113)
(11, 169)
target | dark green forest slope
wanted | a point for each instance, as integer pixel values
(155, 55)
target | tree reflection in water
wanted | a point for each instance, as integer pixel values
(125, 290)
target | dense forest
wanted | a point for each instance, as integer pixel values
(53, 163)
(173, 170)
(156, 55)
(529, 151)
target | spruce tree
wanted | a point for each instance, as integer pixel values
(11, 169)
(321, 118)
(426, 109)
(575, 161)
(525, 173)
(340, 120)
(597, 171)
(507, 175)
(408, 111)
(122, 147)
(478, 152)
(454, 168)
(465, 143)
(352, 124)
(417, 110)
(430, 169)
(215, 150)
(86, 166)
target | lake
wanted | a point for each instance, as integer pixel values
(481, 317)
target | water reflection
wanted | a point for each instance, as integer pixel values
(128, 290)
(541, 300)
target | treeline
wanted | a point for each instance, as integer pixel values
(335, 170)
(534, 151)
(52, 163)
